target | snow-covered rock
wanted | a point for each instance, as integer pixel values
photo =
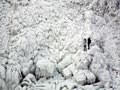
(2, 72)
(67, 85)
(2, 84)
(28, 67)
(44, 68)
(13, 76)
(28, 80)
(65, 62)
(80, 77)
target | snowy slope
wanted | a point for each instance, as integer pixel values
(59, 44)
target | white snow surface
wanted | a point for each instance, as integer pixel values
(59, 44)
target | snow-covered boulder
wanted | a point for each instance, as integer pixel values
(67, 85)
(90, 77)
(28, 67)
(84, 77)
(13, 76)
(28, 80)
(80, 77)
(44, 68)
(2, 72)
(64, 63)
(2, 84)
(67, 72)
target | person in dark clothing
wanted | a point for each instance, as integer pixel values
(89, 42)
(84, 43)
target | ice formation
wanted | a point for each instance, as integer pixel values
(59, 44)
